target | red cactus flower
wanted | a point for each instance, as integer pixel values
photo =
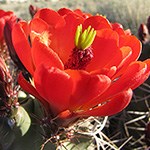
(81, 65)
(4, 16)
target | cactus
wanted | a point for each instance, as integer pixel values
(56, 94)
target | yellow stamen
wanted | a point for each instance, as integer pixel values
(78, 33)
(83, 40)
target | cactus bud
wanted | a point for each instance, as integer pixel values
(143, 33)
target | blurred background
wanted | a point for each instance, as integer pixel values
(129, 13)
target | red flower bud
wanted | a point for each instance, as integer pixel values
(143, 33)
(148, 24)
(33, 10)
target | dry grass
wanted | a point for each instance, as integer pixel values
(129, 13)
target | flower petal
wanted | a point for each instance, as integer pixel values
(41, 53)
(118, 28)
(112, 106)
(135, 45)
(51, 17)
(64, 11)
(22, 47)
(86, 87)
(105, 47)
(97, 22)
(135, 74)
(54, 85)
(131, 78)
(4, 17)
(38, 25)
(28, 87)
(62, 40)
(105, 71)
(120, 58)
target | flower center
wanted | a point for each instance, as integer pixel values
(82, 54)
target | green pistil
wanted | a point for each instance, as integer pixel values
(83, 40)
